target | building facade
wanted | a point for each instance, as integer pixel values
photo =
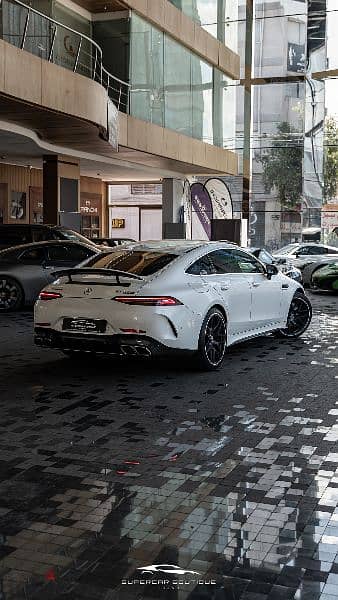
(93, 94)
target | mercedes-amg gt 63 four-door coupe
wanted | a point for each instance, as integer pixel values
(158, 297)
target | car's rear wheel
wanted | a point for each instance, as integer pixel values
(11, 294)
(299, 318)
(212, 340)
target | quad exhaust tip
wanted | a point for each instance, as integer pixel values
(139, 350)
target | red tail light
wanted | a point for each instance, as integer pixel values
(49, 295)
(148, 300)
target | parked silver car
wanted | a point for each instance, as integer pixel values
(304, 254)
(26, 269)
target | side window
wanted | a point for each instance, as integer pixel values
(41, 234)
(310, 250)
(33, 256)
(58, 254)
(248, 263)
(265, 257)
(78, 253)
(202, 266)
(317, 250)
(225, 261)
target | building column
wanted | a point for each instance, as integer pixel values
(61, 191)
(173, 226)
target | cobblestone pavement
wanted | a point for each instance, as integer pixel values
(109, 467)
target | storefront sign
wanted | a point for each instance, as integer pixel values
(330, 216)
(90, 205)
(118, 223)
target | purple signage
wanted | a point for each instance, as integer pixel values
(202, 206)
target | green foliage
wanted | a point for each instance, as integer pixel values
(330, 159)
(283, 166)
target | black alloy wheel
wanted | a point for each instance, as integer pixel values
(299, 318)
(11, 294)
(212, 340)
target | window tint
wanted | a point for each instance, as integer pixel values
(233, 261)
(225, 261)
(78, 253)
(139, 262)
(202, 266)
(32, 256)
(15, 236)
(310, 250)
(41, 234)
(265, 257)
(69, 234)
(248, 263)
(58, 253)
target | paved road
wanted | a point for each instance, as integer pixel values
(113, 466)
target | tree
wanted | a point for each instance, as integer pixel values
(283, 166)
(330, 159)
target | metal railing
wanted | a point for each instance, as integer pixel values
(29, 29)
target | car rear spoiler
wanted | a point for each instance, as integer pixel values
(92, 271)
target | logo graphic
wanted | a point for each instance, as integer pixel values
(88, 291)
(174, 569)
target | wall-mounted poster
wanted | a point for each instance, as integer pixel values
(18, 205)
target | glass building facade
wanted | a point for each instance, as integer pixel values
(174, 88)
(218, 17)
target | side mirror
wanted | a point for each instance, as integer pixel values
(271, 270)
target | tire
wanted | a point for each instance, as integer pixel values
(311, 285)
(299, 318)
(11, 294)
(212, 341)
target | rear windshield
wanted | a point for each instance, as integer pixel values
(74, 236)
(139, 262)
(286, 249)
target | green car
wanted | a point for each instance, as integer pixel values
(326, 278)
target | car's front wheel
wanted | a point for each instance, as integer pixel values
(299, 317)
(11, 294)
(212, 340)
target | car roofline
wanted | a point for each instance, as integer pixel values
(48, 243)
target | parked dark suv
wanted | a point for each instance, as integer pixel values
(15, 235)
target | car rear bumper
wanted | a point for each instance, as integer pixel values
(118, 345)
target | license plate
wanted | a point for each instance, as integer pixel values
(85, 325)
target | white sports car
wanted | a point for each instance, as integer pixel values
(158, 297)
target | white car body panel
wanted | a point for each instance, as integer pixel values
(252, 303)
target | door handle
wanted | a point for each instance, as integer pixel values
(224, 288)
(255, 285)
